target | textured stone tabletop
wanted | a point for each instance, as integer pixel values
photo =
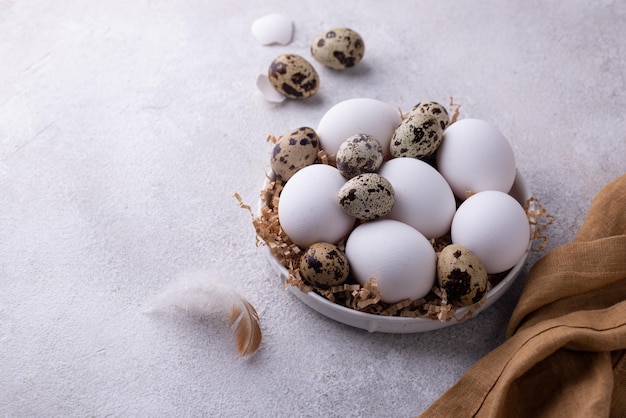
(127, 127)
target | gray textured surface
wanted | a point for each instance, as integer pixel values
(126, 127)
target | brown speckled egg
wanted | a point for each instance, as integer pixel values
(361, 153)
(339, 48)
(367, 196)
(294, 151)
(418, 136)
(435, 110)
(462, 275)
(293, 76)
(324, 265)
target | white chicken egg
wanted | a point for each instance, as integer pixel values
(474, 156)
(423, 198)
(358, 116)
(494, 226)
(400, 259)
(308, 210)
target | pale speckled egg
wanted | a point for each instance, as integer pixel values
(339, 48)
(367, 196)
(308, 211)
(402, 260)
(474, 156)
(324, 264)
(462, 275)
(418, 136)
(423, 199)
(434, 109)
(354, 116)
(293, 76)
(361, 153)
(293, 151)
(494, 226)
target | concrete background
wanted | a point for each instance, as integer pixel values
(126, 128)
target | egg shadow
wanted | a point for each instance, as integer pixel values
(360, 70)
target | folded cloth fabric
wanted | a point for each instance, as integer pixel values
(564, 355)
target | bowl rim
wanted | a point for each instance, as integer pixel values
(395, 324)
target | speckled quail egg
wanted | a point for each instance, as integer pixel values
(366, 196)
(324, 265)
(418, 136)
(461, 273)
(361, 153)
(339, 48)
(433, 109)
(293, 76)
(294, 151)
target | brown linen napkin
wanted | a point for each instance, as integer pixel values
(565, 350)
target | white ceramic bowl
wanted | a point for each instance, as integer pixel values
(392, 324)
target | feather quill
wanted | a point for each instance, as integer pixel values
(207, 294)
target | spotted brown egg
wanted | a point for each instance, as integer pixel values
(418, 136)
(462, 275)
(435, 110)
(293, 76)
(367, 196)
(324, 264)
(361, 153)
(294, 151)
(339, 48)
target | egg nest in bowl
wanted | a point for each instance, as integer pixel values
(357, 302)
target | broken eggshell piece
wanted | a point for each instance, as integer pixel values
(273, 29)
(268, 91)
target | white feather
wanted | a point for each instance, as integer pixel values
(209, 293)
(198, 293)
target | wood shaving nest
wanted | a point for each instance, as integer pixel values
(367, 298)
